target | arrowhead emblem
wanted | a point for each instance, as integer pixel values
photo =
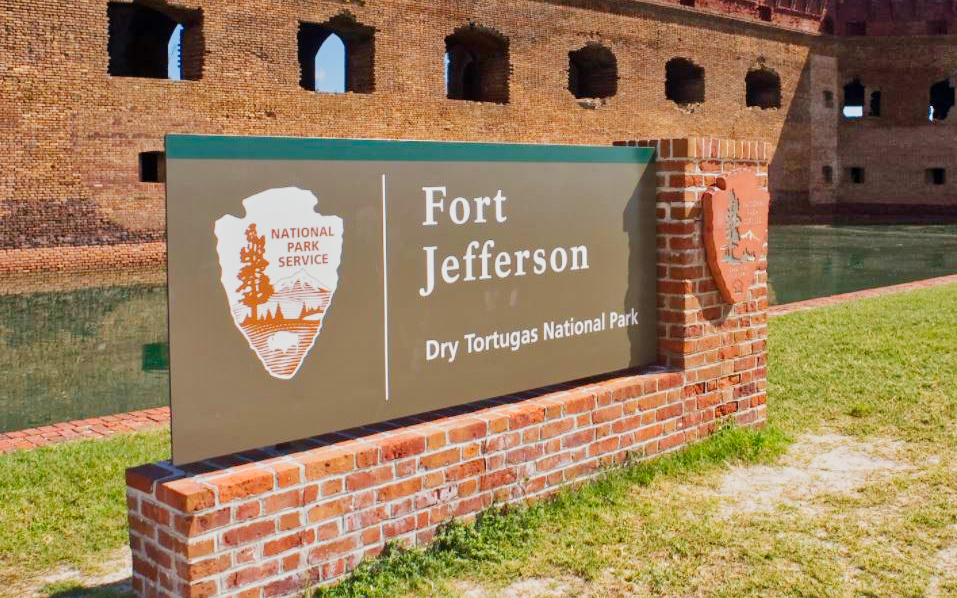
(735, 231)
(280, 271)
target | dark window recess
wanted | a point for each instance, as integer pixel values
(854, 99)
(684, 82)
(856, 175)
(592, 72)
(875, 105)
(827, 173)
(477, 67)
(828, 99)
(763, 89)
(937, 27)
(765, 13)
(153, 167)
(359, 42)
(139, 41)
(936, 176)
(855, 28)
(941, 99)
(156, 357)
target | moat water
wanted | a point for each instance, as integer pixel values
(101, 350)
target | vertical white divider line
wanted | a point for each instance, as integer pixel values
(385, 288)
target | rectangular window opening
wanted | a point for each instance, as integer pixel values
(153, 167)
(936, 176)
(856, 28)
(856, 175)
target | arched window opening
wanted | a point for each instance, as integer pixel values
(854, 99)
(337, 56)
(592, 72)
(763, 89)
(941, 100)
(477, 67)
(164, 43)
(330, 66)
(684, 82)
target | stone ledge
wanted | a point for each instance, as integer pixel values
(81, 257)
(758, 152)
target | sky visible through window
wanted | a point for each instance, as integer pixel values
(330, 62)
(174, 52)
(853, 111)
(331, 66)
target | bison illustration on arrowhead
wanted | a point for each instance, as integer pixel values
(735, 231)
(280, 270)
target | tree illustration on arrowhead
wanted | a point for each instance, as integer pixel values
(732, 234)
(256, 286)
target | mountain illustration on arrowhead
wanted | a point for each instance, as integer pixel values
(279, 297)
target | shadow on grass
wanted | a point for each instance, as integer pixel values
(73, 589)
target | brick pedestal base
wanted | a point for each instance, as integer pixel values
(270, 523)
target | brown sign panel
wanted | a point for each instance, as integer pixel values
(318, 285)
(735, 231)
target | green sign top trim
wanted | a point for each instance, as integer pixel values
(216, 147)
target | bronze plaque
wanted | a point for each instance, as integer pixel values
(317, 285)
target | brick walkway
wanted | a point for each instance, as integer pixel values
(787, 308)
(101, 427)
(94, 427)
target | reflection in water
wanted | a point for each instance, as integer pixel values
(83, 353)
(805, 262)
(71, 355)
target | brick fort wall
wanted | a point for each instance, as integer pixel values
(70, 172)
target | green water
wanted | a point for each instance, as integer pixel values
(805, 262)
(80, 354)
(77, 354)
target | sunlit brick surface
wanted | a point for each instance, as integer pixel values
(271, 522)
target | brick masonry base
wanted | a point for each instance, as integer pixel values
(272, 522)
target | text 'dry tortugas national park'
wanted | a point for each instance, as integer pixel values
(385, 266)
(452, 327)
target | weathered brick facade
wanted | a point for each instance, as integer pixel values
(69, 170)
(896, 147)
(269, 523)
(74, 122)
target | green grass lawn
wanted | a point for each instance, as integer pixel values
(879, 372)
(65, 504)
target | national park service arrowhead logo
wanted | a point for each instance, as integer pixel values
(280, 270)
(735, 231)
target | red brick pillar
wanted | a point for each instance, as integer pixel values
(721, 348)
(268, 524)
